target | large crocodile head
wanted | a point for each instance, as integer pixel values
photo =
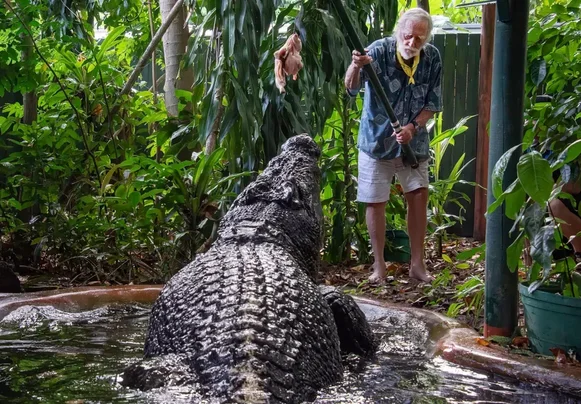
(283, 204)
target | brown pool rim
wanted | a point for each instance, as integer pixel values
(448, 338)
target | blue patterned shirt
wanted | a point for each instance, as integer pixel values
(408, 100)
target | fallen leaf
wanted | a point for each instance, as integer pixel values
(391, 268)
(560, 355)
(520, 342)
(482, 341)
(359, 268)
(500, 340)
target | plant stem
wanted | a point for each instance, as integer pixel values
(569, 276)
(345, 133)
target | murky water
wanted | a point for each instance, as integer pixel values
(48, 356)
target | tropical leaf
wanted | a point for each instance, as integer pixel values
(535, 175)
(499, 170)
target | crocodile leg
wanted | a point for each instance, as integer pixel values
(355, 333)
(161, 371)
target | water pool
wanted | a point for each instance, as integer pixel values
(52, 356)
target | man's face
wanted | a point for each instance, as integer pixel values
(411, 39)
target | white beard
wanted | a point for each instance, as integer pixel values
(407, 53)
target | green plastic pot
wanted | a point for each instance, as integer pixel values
(397, 246)
(552, 321)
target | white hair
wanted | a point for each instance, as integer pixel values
(415, 15)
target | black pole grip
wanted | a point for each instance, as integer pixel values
(409, 154)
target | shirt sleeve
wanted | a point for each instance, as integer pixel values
(434, 97)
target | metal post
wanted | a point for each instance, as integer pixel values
(506, 131)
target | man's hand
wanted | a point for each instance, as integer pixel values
(406, 134)
(360, 60)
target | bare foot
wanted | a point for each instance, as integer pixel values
(379, 273)
(419, 272)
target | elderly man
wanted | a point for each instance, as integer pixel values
(410, 71)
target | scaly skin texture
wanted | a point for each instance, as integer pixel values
(246, 318)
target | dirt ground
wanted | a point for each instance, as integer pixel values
(449, 272)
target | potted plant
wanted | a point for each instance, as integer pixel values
(550, 287)
(397, 242)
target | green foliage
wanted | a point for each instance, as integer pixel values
(551, 141)
(104, 196)
(470, 299)
(343, 216)
(554, 60)
(117, 196)
(442, 190)
(448, 8)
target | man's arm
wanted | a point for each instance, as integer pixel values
(424, 116)
(352, 81)
(352, 77)
(409, 131)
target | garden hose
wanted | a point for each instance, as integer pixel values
(408, 153)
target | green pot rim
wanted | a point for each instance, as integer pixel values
(542, 294)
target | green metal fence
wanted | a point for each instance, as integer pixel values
(460, 52)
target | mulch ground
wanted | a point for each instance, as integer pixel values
(450, 274)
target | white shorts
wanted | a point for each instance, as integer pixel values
(375, 178)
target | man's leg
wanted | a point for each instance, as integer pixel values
(373, 188)
(571, 225)
(415, 186)
(417, 201)
(375, 219)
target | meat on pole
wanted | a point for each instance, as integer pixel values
(409, 155)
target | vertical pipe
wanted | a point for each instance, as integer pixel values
(506, 127)
(484, 90)
(425, 4)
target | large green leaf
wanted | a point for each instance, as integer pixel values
(499, 169)
(499, 200)
(542, 247)
(569, 154)
(514, 252)
(514, 201)
(533, 219)
(535, 175)
(538, 71)
(112, 39)
(451, 133)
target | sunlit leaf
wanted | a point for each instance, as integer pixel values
(499, 170)
(535, 175)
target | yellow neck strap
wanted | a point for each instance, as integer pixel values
(409, 71)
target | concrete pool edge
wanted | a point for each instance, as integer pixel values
(457, 343)
(448, 338)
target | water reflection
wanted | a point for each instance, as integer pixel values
(50, 356)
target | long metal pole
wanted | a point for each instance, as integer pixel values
(506, 131)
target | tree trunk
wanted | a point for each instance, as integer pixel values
(425, 4)
(175, 41)
(29, 99)
(30, 105)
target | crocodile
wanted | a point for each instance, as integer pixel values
(246, 320)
